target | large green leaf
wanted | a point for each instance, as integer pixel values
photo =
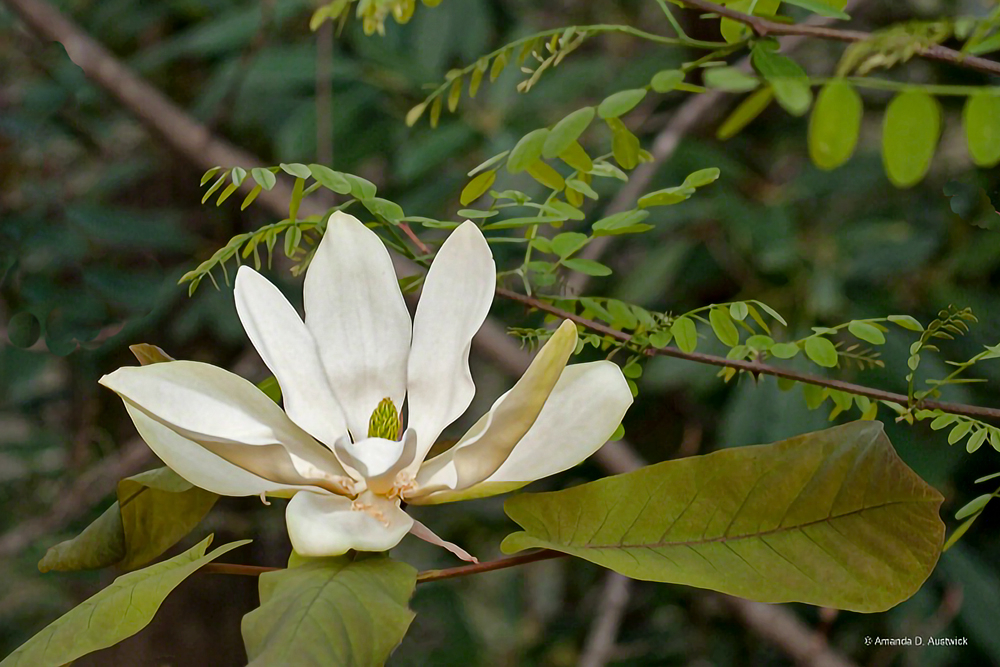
(155, 510)
(832, 518)
(330, 611)
(114, 614)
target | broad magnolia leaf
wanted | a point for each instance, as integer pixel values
(116, 613)
(835, 124)
(832, 518)
(330, 611)
(155, 510)
(910, 136)
(981, 118)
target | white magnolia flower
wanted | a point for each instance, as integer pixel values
(337, 449)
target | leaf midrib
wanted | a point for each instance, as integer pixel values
(736, 538)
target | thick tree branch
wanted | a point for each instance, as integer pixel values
(756, 367)
(765, 27)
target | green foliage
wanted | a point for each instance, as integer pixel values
(788, 80)
(982, 129)
(910, 136)
(835, 124)
(154, 511)
(330, 611)
(117, 612)
(798, 520)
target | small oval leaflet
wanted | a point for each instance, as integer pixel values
(834, 125)
(620, 103)
(866, 332)
(567, 131)
(527, 150)
(821, 351)
(666, 80)
(910, 136)
(685, 333)
(981, 119)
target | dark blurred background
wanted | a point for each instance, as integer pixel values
(99, 218)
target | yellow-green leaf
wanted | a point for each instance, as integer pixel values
(835, 124)
(788, 80)
(723, 326)
(567, 131)
(982, 128)
(685, 333)
(821, 351)
(620, 103)
(527, 150)
(910, 136)
(330, 611)
(575, 156)
(546, 175)
(115, 613)
(745, 112)
(832, 518)
(477, 187)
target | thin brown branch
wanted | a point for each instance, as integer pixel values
(422, 578)
(489, 566)
(765, 27)
(240, 570)
(755, 367)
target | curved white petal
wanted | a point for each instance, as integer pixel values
(579, 416)
(583, 411)
(226, 414)
(357, 316)
(455, 299)
(377, 460)
(488, 444)
(329, 525)
(289, 350)
(196, 464)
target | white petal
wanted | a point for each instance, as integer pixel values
(226, 414)
(455, 299)
(329, 525)
(289, 350)
(377, 460)
(357, 316)
(583, 411)
(196, 464)
(427, 535)
(487, 445)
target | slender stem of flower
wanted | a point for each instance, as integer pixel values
(422, 578)
(416, 239)
(755, 367)
(489, 566)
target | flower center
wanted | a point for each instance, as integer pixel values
(384, 422)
